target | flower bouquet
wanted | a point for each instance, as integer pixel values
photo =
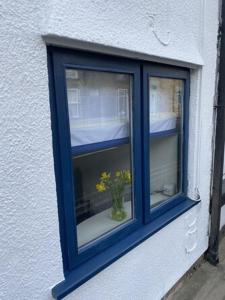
(116, 185)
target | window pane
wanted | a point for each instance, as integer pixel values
(98, 106)
(99, 112)
(166, 126)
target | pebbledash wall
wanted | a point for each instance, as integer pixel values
(179, 32)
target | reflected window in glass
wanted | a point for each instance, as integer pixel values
(166, 128)
(100, 127)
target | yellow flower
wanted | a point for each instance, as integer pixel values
(100, 187)
(127, 176)
(105, 176)
(118, 174)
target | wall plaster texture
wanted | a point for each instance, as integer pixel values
(181, 32)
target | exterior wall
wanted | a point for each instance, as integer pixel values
(181, 31)
(30, 258)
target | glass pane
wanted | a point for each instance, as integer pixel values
(223, 183)
(99, 112)
(98, 106)
(166, 127)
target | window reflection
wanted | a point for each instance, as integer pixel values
(98, 106)
(165, 103)
(99, 113)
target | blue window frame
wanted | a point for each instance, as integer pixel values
(82, 262)
(164, 72)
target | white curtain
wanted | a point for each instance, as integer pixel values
(98, 105)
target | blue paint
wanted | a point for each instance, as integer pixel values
(89, 148)
(78, 150)
(81, 264)
(57, 165)
(163, 133)
(64, 153)
(161, 71)
(101, 261)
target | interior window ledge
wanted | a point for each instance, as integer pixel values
(93, 266)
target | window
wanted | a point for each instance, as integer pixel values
(223, 185)
(120, 149)
(122, 103)
(101, 152)
(165, 142)
(73, 95)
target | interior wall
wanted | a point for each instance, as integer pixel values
(164, 162)
(88, 169)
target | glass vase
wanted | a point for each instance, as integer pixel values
(118, 212)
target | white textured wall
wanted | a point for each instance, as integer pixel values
(30, 257)
(168, 28)
(30, 262)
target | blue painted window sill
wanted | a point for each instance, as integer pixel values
(93, 266)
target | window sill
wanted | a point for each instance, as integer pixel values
(93, 266)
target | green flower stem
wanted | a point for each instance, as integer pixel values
(116, 186)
